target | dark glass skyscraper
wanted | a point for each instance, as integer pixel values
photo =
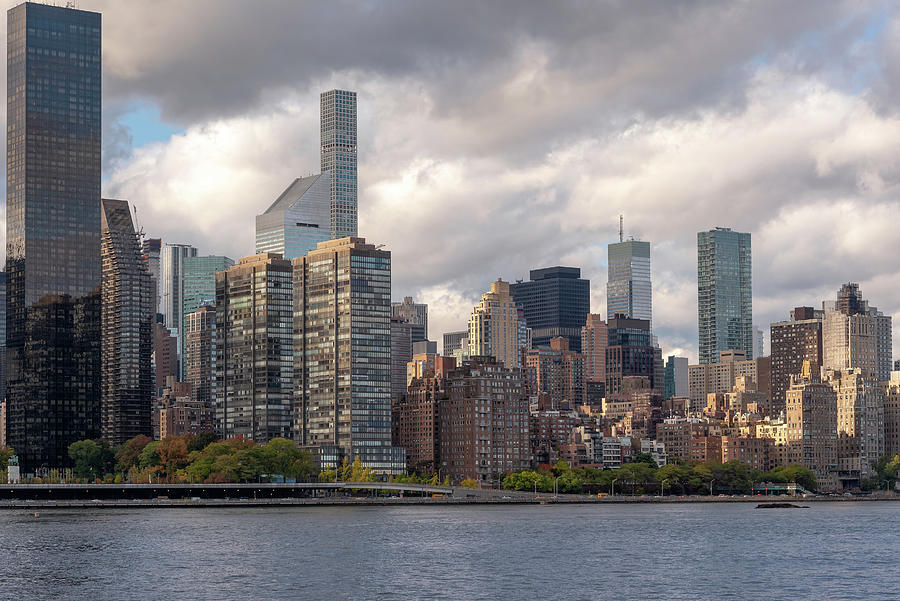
(556, 303)
(53, 231)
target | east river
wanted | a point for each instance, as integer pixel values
(624, 552)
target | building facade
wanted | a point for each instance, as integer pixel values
(483, 427)
(628, 289)
(254, 350)
(298, 220)
(342, 351)
(856, 336)
(810, 424)
(198, 287)
(52, 231)
(496, 328)
(677, 383)
(200, 353)
(594, 340)
(793, 343)
(339, 159)
(165, 356)
(630, 352)
(724, 293)
(860, 423)
(401, 354)
(554, 377)
(171, 278)
(415, 314)
(454, 341)
(556, 302)
(127, 318)
(151, 248)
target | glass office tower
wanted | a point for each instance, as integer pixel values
(628, 289)
(338, 156)
(556, 302)
(53, 231)
(724, 295)
(298, 220)
(198, 287)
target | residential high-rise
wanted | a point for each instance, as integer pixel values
(401, 354)
(198, 287)
(793, 343)
(165, 355)
(556, 303)
(628, 289)
(200, 353)
(758, 342)
(630, 352)
(415, 314)
(151, 248)
(720, 377)
(724, 293)
(676, 378)
(171, 278)
(338, 157)
(254, 351)
(810, 424)
(892, 414)
(127, 318)
(594, 340)
(860, 423)
(496, 328)
(554, 377)
(453, 341)
(342, 354)
(483, 422)
(298, 220)
(856, 336)
(52, 231)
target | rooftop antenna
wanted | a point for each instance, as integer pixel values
(621, 229)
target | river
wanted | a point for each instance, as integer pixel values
(572, 552)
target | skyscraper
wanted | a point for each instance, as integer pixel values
(401, 354)
(628, 289)
(3, 341)
(794, 344)
(496, 328)
(594, 340)
(254, 352)
(630, 352)
(127, 320)
(338, 157)
(53, 231)
(676, 377)
(724, 293)
(415, 314)
(198, 287)
(556, 302)
(298, 220)
(453, 341)
(171, 277)
(342, 354)
(151, 250)
(200, 353)
(856, 336)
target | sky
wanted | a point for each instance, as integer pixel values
(498, 137)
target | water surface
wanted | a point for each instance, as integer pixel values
(627, 552)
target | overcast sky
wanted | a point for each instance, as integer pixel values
(496, 137)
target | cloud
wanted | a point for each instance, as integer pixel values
(501, 137)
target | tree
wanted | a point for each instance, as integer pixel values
(645, 458)
(469, 483)
(149, 457)
(128, 455)
(173, 454)
(92, 459)
(201, 441)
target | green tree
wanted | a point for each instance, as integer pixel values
(149, 457)
(200, 441)
(128, 455)
(93, 459)
(469, 483)
(645, 458)
(5, 454)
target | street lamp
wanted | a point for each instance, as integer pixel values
(711, 486)
(612, 487)
(663, 487)
(556, 487)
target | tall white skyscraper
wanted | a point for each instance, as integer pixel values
(338, 155)
(628, 289)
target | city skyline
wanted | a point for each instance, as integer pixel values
(420, 171)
